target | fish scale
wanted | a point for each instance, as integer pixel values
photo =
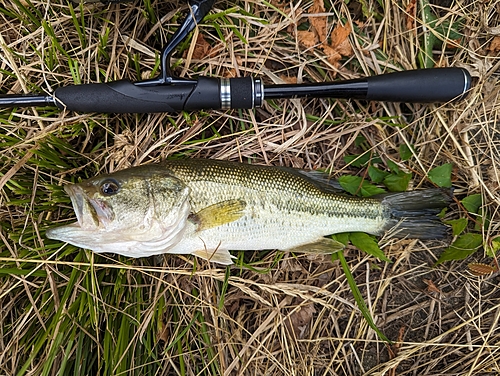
(284, 210)
(269, 180)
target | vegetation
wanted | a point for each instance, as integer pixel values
(68, 311)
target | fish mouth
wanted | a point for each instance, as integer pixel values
(85, 213)
(91, 213)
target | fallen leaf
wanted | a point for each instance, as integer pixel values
(394, 350)
(202, 48)
(298, 322)
(229, 73)
(288, 79)
(163, 333)
(411, 16)
(307, 38)
(319, 23)
(340, 45)
(279, 4)
(431, 287)
(452, 43)
(494, 46)
(359, 23)
(332, 55)
(339, 38)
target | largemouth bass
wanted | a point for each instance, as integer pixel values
(208, 207)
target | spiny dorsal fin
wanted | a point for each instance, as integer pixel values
(319, 179)
(219, 214)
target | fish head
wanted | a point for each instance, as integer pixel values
(140, 204)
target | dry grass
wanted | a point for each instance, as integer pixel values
(64, 309)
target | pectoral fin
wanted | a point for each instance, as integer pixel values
(324, 246)
(221, 256)
(219, 214)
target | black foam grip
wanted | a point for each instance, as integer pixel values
(242, 92)
(123, 97)
(424, 85)
(206, 95)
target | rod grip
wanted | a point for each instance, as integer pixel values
(125, 97)
(121, 97)
(420, 86)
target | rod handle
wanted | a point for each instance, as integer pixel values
(121, 97)
(126, 97)
(420, 86)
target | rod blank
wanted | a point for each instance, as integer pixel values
(26, 100)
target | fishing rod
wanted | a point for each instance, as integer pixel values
(167, 93)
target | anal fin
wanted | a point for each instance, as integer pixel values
(220, 256)
(323, 246)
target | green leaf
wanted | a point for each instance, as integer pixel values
(405, 151)
(442, 213)
(357, 160)
(472, 203)
(376, 174)
(392, 166)
(429, 39)
(441, 175)
(356, 185)
(357, 294)
(457, 225)
(399, 182)
(368, 190)
(493, 247)
(350, 183)
(360, 140)
(343, 237)
(368, 244)
(461, 248)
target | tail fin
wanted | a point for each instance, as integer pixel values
(413, 214)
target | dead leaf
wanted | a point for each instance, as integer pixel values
(201, 48)
(288, 79)
(340, 45)
(452, 44)
(332, 55)
(229, 73)
(494, 46)
(340, 38)
(431, 287)
(394, 350)
(360, 24)
(279, 4)
(163, 333)
(319, 23)
(345, 48)
(411, 16)
(298, 322)
(307, 38)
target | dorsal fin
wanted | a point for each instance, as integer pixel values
(319, 179)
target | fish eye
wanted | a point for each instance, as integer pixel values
(109, 187)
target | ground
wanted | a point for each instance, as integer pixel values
(66, 310)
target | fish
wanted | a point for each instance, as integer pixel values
(209, 207)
